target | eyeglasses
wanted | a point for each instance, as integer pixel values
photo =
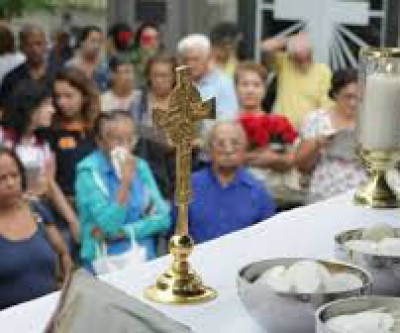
(349, 97)
(227, 144)
(122, 140)
(154, 75)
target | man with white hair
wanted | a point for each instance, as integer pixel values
(195, 51)
(226, 197)
(302, 84)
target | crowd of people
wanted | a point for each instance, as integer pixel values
(67, 111)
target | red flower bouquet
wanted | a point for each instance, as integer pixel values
(263, 129)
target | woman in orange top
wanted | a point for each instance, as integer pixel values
(77, 103)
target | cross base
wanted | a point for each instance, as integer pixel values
(180, 284)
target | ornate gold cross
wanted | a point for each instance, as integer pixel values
(180, 284)
(180, 122)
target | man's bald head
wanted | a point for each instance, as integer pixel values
(33, 44)
(227, 143)
(30, 29)
(300, 48)
(222, 126)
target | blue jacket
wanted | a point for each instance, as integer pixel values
(145, 214)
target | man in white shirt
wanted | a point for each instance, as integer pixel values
(9, 57)
(195, 51)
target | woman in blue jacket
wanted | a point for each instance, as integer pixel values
(118, 201)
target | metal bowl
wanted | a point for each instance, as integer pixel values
(290, 312)
(385, 270)
(352, 305)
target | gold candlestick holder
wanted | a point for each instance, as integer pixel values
(180, 284)
(376, 192)
(378, 123)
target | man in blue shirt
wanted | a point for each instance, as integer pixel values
(226, 197)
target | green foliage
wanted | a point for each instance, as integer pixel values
(13, 8)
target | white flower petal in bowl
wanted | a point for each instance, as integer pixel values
(389, 246)
(307, 276)
(342, 282)
(364, 322)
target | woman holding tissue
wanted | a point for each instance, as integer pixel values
(327, 150)
(119, 204)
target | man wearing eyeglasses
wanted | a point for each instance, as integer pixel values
(226, 197)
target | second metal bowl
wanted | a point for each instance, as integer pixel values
(353, 305)
(385, 270)
(290, 312)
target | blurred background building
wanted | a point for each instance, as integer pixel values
(338, 27)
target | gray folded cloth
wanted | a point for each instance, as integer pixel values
(89, 305)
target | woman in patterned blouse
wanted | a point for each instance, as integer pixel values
(326, 152)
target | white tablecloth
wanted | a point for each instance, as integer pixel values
(302, 232)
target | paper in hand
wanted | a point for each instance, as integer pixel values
(343, 145)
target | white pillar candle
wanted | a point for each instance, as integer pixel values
(379, 118)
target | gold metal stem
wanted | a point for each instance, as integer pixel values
(180, 284)
(183, 196)
(182, 227)
(376, 192)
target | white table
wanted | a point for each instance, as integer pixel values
(302, 232)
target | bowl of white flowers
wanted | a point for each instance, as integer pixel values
(377, 250)
(366, 314)
(282, 295)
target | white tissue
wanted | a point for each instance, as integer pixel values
(118, 156)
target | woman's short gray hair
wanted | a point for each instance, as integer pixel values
(194, 41)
